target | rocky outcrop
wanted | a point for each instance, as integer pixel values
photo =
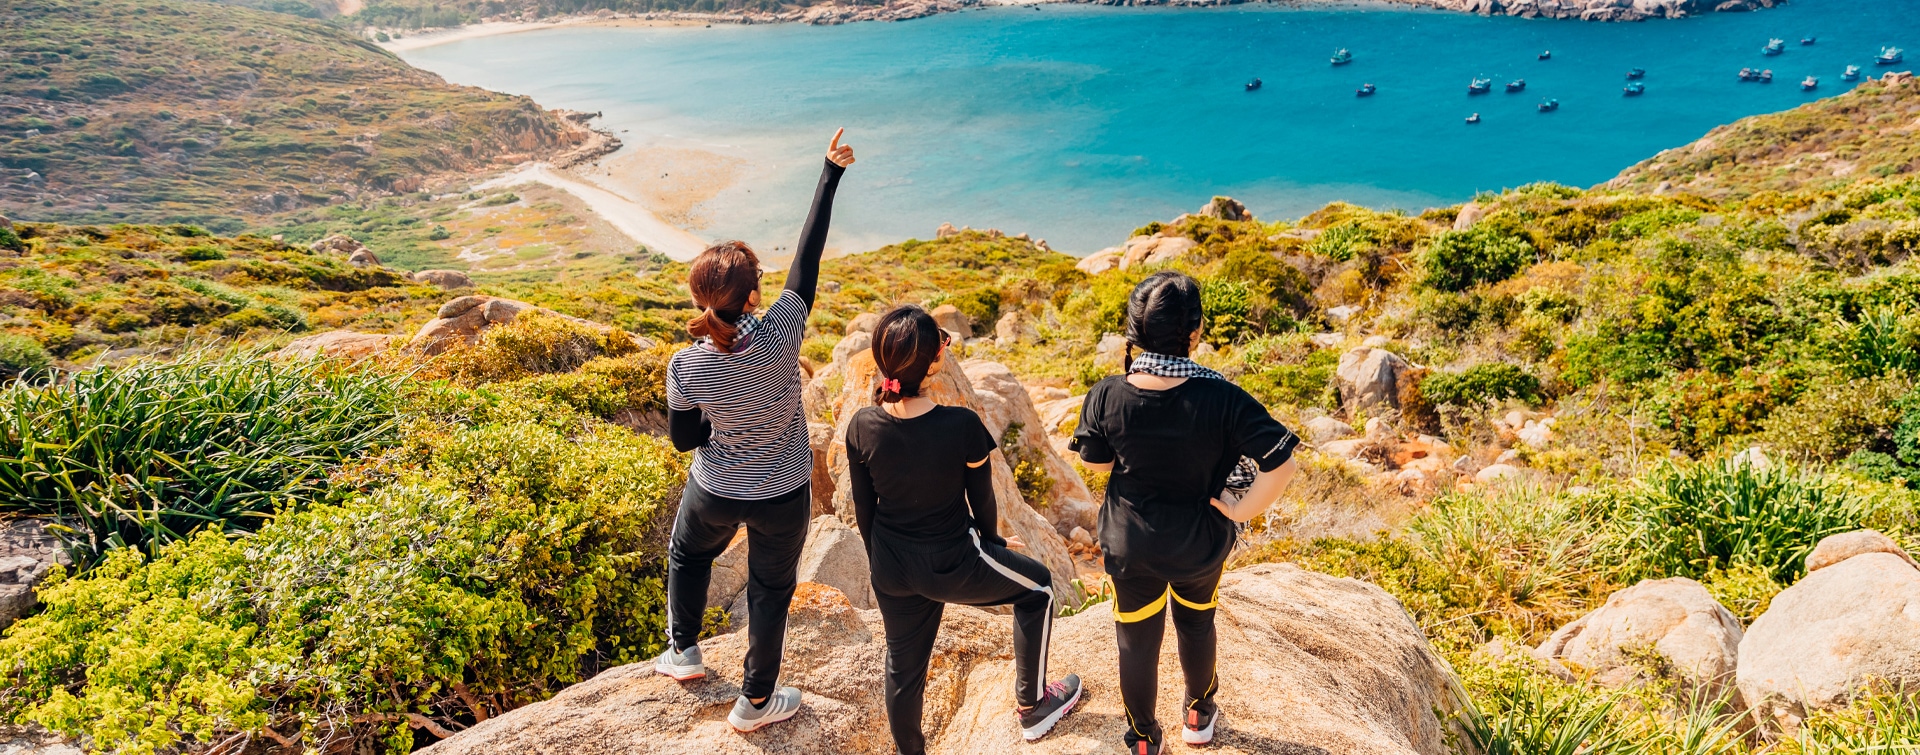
(1153, 250)
(1842, 630)
(950, 387)
(1676, 619)
(1014, 328)
(443, 278)
(1370, 377)
(819, 436)
(1004, 402)
(1353, 672)
(338, 243)
(340, 344)
(835, 557)
(1325, 430)
(33, 740)
(464, 319)
(1101, 261)
(27, 553)
(864, 322)
(952, 320)
(1834, 549)
(1225, 208)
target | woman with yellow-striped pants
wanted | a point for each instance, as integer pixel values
(1176, 437)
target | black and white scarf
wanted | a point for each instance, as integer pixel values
(1166, 366)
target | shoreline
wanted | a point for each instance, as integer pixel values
(624, 214)
(833, 13)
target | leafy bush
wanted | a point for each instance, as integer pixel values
(981, 306)
(605, 387)
(1227, 306)
(1884, 340)
(1689, 521)
(533, 344)
(10, 241)
(1832, 421)
(1512, 556)
(1342, 242)
(23, 357)
(1459, 260)
(515, 561)
(1481, 385)
(1649, 222)
(145, 455)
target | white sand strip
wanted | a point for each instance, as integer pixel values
(623, 214)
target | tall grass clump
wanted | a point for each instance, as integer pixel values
(144, 455)
(1693, 520)
(1884, 724)
(1517, 558)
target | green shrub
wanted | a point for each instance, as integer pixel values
(1459, 260)
(1342, 242)
(23, 357)
(518, 560)
(981, 305)
(1481, 385)
(605, 387)
(1832, 421)
(1887, 722)
(1649, 222)
(10, 241)
(533, 344)
(1227, 306)
(144, 455)
(1689, 521)
(1029, 469)
(1884, 340)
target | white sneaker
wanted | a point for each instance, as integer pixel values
(683, 666)
(780, 706)
(1198, 728)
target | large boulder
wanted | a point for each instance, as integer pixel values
(1225, 208)
(729, 575)
(443, 278)
(1840, 631)
(857, 342)
(1004, 402)
(1350, 671)
(864, 322)
(1834, 549)
(1326, 430)
(363, 258)
(1110, 352)
(819, 436)
(952, 320)
(1153, 250)
(340, 344)
(1015, 327)
(1101, 261)
(27, 553)
(950, 387)
(464, 319)
(1676, 618)
(338, 243)
(1370, 377)
(835, 557)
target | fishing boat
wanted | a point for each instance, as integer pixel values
(1252, 85)
(1635, 89)
(1774, 47)
(1890, 56)
(1341, 57)
(1546, 55)
(1748, 74)
(1517, 85)
(1809, 84)
(1480, 86)
(1636, 74)
(1549, 106)
(1766, 76)
(1475, 118)
(1365, 90)
(1807, 41)
(1852, 74)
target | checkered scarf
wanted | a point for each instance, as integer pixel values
(1166, 366)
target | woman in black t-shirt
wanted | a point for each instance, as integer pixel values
(1173, 433)
(922, 493)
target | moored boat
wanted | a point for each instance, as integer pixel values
(1480, 86)
(1549, 106)
(1748, 74)
(1252, 85)
(1807, 41)
(1546, 55)
(1342, 57)
(1766, 76)
(1516, 85)
(1774, 47)
(1852, 74)
(1475, 118)
(1365, 90)
(1637, 73)
(1809, 84)
(1890, 56)
(1635, 89)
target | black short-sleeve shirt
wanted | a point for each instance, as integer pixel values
(919, 468)
(1172, 451)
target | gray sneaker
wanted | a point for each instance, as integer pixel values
(780, 706)
(684, 665)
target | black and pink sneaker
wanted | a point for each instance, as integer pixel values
(1061, 696)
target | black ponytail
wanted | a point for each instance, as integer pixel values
(906, 342)
(1162, 313)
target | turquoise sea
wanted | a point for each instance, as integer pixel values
(1076, 123)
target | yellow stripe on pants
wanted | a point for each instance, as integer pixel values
(1151, 609)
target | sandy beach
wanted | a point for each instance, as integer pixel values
(623, 213)
(423, 39)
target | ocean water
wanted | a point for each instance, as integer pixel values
(1078, 123)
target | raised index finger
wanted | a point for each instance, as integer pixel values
(836, 139)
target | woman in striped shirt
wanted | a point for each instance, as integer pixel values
(733, 398)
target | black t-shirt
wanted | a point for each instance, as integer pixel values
(910, 479)
(1172, 451)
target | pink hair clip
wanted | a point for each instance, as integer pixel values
(891, 386)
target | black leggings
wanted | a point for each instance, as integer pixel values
(1139, 605)
(913, 583)
(776, 533)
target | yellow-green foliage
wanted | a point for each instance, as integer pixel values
(511, 559)
(213, 114)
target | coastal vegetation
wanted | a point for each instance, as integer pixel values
(180, 111)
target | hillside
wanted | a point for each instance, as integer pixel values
(182, 111)
(1870, 132)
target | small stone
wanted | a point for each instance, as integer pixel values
(1376, 342)
(1495, 472)
(1325, 429)
(864, 322)
(1079, 536)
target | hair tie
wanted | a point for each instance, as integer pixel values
(891, 386)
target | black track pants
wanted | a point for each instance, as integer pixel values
(1140, 605)
(914, 582)
(776, 532)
